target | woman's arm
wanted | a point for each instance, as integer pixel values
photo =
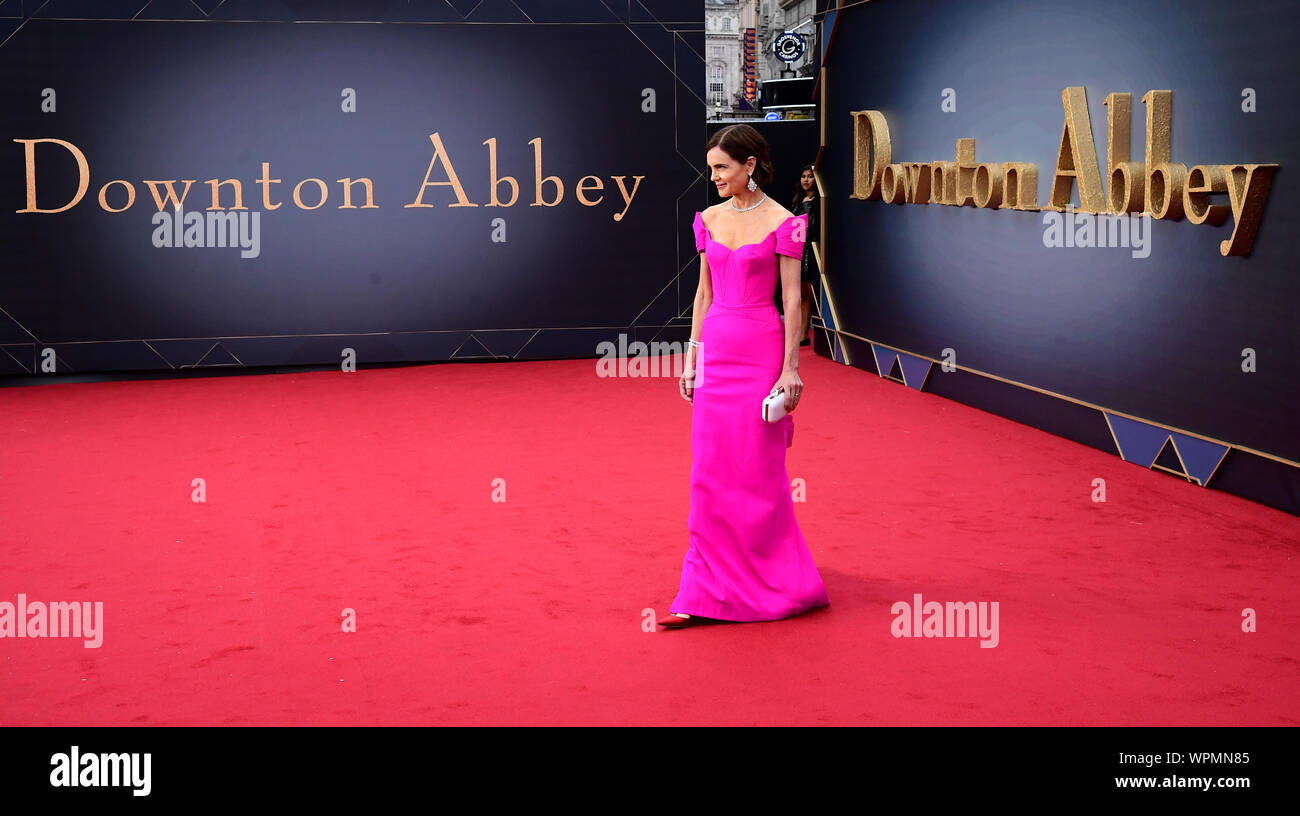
(703, 299)
(791, 296)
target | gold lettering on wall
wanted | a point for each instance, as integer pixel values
(130, 196)
(988, 186)
(216, 194)
(173, 201)
(1247, 191)
(228, 194)
(943, 182)
(583, 188)
(452, 181)
(1020, 186)
(870, 153)
(266, 181)
(29, 158)
(891, 184)
(916, 183)
(627, 196)
(347, 194)
(1127, 180)
(494, 182)
(1201, 181)
(1165, 179)
(297, 194)
(965, 193)
(1076, 160)
(1157, 187)
(559, 185)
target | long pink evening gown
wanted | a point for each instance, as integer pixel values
(747, 559)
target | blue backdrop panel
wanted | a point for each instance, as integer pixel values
(612, 94)
(1158, 337)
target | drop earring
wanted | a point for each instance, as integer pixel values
(752, 186)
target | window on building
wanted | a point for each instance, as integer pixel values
(726, 23)
(715, 92)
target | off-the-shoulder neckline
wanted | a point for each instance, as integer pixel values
(709, 235)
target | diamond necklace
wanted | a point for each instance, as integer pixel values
(750, 207)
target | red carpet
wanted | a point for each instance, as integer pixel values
(373, 491)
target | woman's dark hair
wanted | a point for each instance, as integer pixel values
(740, 142)
(798, 188)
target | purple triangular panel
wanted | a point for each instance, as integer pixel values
(1138, 442)
(1199, 457)
(884, 359)
(915, 370)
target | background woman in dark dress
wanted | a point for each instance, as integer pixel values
(806, 202)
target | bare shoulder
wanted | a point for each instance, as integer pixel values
(708, 213)
(780, 214)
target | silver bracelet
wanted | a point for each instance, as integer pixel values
(695, 343)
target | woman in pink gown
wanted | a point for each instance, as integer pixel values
(747, 559)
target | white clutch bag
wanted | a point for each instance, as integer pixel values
(774, 406)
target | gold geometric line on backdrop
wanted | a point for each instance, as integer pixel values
(670, 282)
(457, 355)
(691, 187)
(677, 32)
(208, 13)
(160, 357)
(146, 5)
(521, 11)
(23, 23)
(666, 66)
(20, 363)
(526, 342)
(818, 179)
(456, 352)
(830, 302)
(1076, 401)
(651, 15)
(214, 347)
(1182, 466)
(464, 17)
(614, 20)
(26, 330)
